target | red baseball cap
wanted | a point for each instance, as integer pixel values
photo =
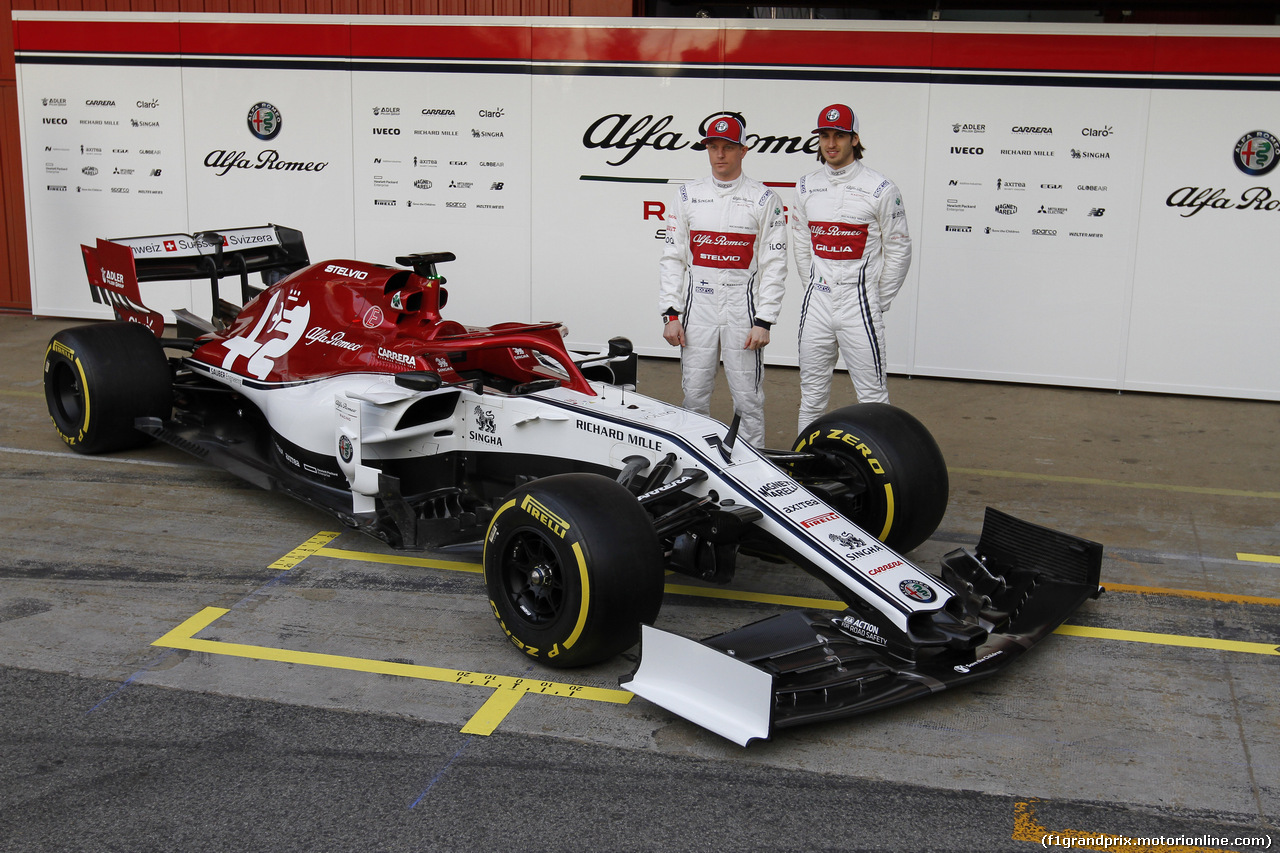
(837, 117)
(724, 127)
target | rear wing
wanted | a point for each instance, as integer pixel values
(115, 267)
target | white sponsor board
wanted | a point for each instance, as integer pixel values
(1067, 229)
(1205, 305)
(104, 158)
(443, 163)
(270, 147)
(1028, 232)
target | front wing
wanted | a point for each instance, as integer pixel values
(804, 667)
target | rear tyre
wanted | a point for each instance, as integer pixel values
(98, 379)
(573, 568)
(890, 462)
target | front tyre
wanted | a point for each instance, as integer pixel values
(98, 379)
(573, 567)
(891, 464)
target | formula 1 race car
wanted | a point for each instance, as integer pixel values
(340, 384)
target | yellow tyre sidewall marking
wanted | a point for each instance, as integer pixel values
(889, 503)
(84, 394)
(888, 511)
(585, 602)
(484, 567)
(488, 538)
(580, 558)
(489, 532)
(69, 354)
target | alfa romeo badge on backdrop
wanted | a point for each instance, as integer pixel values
(264, 120)
(1256, 152)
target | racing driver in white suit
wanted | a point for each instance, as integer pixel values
(852, 250)
(723, 274)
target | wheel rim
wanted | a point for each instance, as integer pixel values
(68, 396)
(532, 578)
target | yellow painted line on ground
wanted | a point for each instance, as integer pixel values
(1121, 484)
(312, 546)
(1069, 630)
(1258, 558)
(508, 690)
(833, 604)
(1169, 640)
(1027, 828)
(675, 589)
(494, 710)
(756, 597)
(1230, 598)
(400, 560)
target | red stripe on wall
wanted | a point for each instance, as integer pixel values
(1217, 55)
(827, 48)
(96, 36)
(627, 44)
(265, 39)
(376, 41)
(1008, 52)
(1133, 54)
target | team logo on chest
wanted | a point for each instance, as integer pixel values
(840, 241)
(722, 250)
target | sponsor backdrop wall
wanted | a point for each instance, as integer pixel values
(1089, 206)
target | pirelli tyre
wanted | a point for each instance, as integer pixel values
(98, 379)
(892, 465)
(573, 567)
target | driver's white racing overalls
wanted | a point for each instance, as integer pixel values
(723, 270)
(852, 249)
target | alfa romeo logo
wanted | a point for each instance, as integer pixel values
(345, 449)
(264, 120)
(722, 126)
(917, 591)
(1256, 152)
(832, 115)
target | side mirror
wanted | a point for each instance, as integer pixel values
(419, 380)
(619, 347)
